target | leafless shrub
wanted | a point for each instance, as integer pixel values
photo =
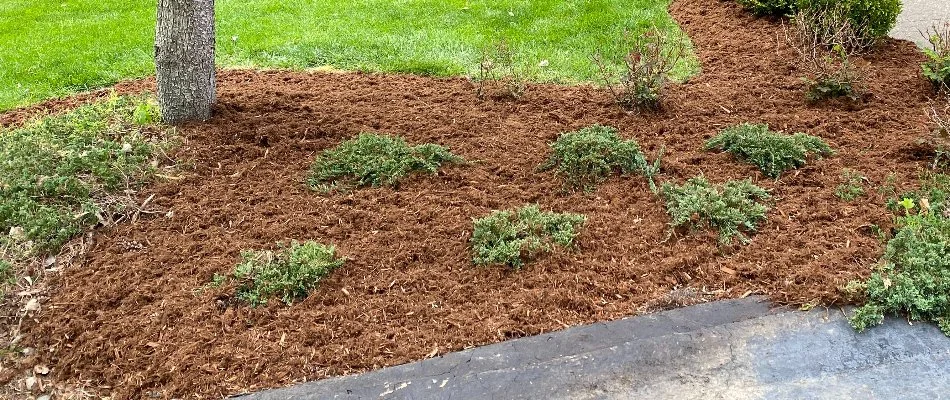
(828, 43)
(650, 59)
(497, 71)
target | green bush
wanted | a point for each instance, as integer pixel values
(729, 208)
(914, 275)
(872, 19)
(374, 160)
(937, 67)
(288, 275)
(776, 8)
(57, 173)
(513, 237)
(773, 152)
(586, 157)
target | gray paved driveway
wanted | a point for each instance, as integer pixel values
(919, 15)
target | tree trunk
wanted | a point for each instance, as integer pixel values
(184, 59)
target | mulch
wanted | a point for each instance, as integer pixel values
(132, 319)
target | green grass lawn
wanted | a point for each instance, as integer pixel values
(52, 48)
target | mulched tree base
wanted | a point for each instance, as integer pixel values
(130, 317)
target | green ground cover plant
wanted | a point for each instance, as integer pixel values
(62, 174)
(773, 152)
(730, 208)
(852, 186)
(287, 275)
(513, 238)
(375, 160)
(913, 276)
(111, 40)
(773, 8)
(586, 157)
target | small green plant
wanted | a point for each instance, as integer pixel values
(870, 20)
(650, 59)
(512, 238)
(730, 208)
(852, 187)
(62, 174)
(933, 197)
(828, 43)
(773, 152)
(375, 160)
(498, 69)
(287, 275)
(586, 157)
(773, 8)
(913, 277)
(937, 67)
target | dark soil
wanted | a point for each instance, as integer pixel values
(132, 317)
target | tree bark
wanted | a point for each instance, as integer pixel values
(184, 59)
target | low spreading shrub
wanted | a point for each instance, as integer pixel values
(774, 8)
(374, 160)
(513, 238)
(646, 67)
(852, 187)
(586, 157)
(773, 152)
(913, 277)
(730, 208)
(937, 67)
(498, 71)
(65, 173)
(871, 20)
(287, 275)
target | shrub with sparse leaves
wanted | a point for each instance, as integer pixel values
(773, 152)
(586, 157)
(375, 160)
(513, 238)
(731, 208)
(288, 275)
(937, 67)
(773, 8)
(646, 68)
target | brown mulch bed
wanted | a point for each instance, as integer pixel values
(131, 318)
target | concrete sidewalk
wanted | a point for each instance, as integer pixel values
(738, 349)
(918, 16)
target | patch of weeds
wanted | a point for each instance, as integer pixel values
(913, 277)
(586, 157)
(646, 68)
(771, 8)
(937, 67)
(852, 187)
(61, 174)
(498, 69)
(374, 160)
(287, 275)
(512, 238)
(828, 43)
(933, 197)
(773, 152)
(730, 208)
